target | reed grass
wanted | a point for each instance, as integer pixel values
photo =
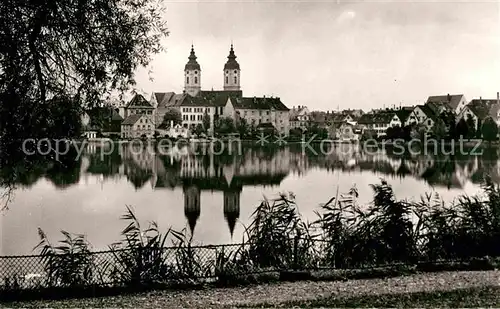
(344, 236)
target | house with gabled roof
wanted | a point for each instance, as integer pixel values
(453, 102)
(137, 126)
(299, 117)
(422, 114)
(104, 119)
(139, 105)
(480, 109)
(380, 121)
(260, 110)
(404, 114)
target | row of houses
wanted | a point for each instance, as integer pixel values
(350, 124)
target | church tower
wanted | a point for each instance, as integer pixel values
(231, 72)
(192, 75)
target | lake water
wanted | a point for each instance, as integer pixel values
(213, 195)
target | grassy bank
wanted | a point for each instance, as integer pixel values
(421, 290)
(488, 296)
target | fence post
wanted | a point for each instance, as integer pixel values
(296, 252)
(223, 260)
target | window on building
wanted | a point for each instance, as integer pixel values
(227, 79)
(195, 72)
(187, 80)
(140, 120)
(235, 79)
(196, 79)
(267, 113)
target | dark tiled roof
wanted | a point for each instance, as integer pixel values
(132, 119)
(219, 97)
(259, 103)
(428, 111)
(318, 117)
(162, 98)
(403, 114)
(139, 101)
(100, 118)
(294, 112)
(383, 116)
(450, 100)
(481, 108)
(366, 119)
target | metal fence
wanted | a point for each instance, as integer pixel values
(169, 265)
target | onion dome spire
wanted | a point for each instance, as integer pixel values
(192, 64)
(231, 63)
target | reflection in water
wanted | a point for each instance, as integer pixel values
(229, 174)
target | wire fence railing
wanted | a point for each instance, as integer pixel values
(173, 265)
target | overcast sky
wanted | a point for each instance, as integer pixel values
(330, 55)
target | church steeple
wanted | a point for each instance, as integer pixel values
(231, 72)
(192, 74)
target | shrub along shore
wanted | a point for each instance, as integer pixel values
(386, 238)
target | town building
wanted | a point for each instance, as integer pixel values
(101, 121)
(299, 117)
(480, 109)
(138, 126)
(454, 102)
(379, 121)
(346, 131)
(259, 112)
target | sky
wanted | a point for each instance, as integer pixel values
(331, 55)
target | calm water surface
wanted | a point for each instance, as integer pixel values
(213, 195)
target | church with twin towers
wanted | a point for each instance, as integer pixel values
(194, 102)
(192, 74)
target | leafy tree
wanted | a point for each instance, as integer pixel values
(462, 129)
(393, 133)
(242, 126)
(76, 50)
(448, 118)
(471, 133)
(320, 132)
(59, 56)
(419, 131)
(206, 121)
(368, 134)
(406, 132)
(224, 125)
(296, 133)
(489, 130)
(439, 129)
(172, 114)
(198, 129)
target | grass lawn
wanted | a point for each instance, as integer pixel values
(471, 297)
